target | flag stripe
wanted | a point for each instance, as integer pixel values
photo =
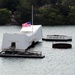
(27, 24)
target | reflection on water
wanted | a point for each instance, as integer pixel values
(56, 61)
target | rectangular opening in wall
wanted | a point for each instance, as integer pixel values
(13, 45)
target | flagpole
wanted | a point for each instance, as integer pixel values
(32, 23)
(32, 19)
(32, 14)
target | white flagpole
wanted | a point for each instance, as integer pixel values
(32, 14)
(32, 25)
(32, 19)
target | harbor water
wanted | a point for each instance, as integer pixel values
(56, 61)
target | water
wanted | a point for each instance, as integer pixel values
(56, 61)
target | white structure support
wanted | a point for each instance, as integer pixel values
(23, 39)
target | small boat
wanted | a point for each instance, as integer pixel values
(20, 54)
(57, 38)
(61, 45)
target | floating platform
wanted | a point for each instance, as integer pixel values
(17, 44)
(62, 45)
(57, 38)
(21, 54)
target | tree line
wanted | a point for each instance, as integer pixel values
(46, 12)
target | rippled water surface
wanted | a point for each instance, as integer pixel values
(56, 61)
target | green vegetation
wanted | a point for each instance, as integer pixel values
(4, 16)
(46, 12)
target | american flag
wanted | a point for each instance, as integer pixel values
(27, 24)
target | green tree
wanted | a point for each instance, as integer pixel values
(71, 16)
(23, 12)
(5, 16)
(39, 3)
(9, 4)
(53, 2)
(68, 2)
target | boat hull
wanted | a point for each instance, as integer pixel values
(21, 56)
(57, 38)
(46, 39)
(62, 45)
